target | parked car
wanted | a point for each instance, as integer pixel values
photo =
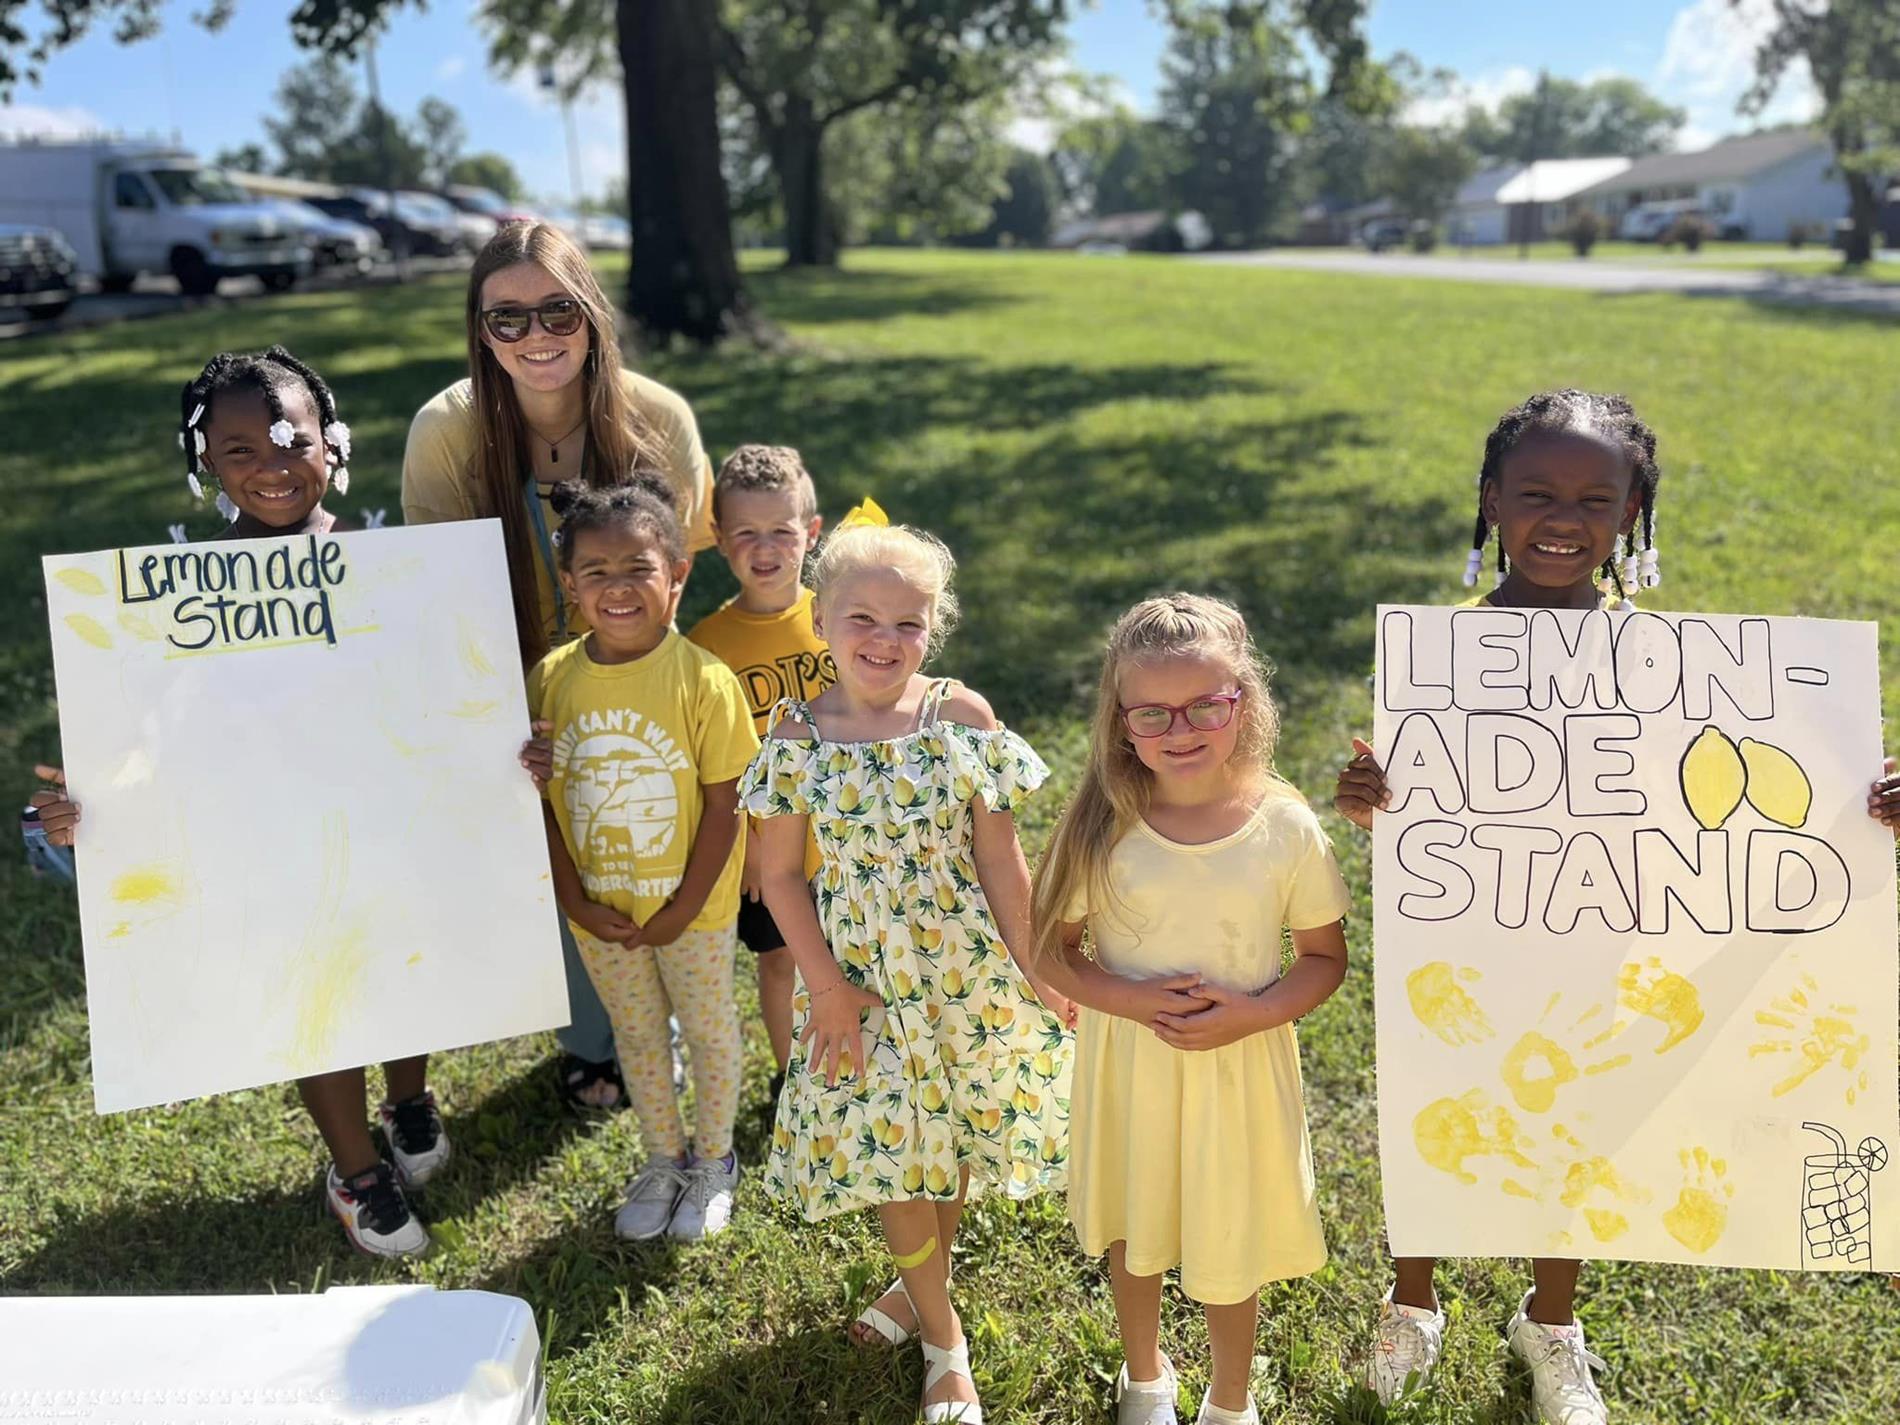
(38, 271)
(598, 231)
(1647, 222)
(475, 229)
(1382, 233)
(407, 228)
(128, 208)
(333, 242)
(487, 203)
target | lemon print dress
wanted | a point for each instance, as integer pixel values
(967, 1068)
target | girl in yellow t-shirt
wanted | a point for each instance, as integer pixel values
(1182, 857)
(648, 735)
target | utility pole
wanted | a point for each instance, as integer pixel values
(399, 237)
(1540, 119)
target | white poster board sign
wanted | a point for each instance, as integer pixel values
(307, 842)
(1636, 968)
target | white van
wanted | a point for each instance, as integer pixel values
(1647, 222)
(128, 208)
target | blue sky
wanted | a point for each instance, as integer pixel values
(212, 89)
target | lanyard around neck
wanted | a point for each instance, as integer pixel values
(546, 542)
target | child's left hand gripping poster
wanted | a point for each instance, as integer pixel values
(1636, 967)
(307, 840)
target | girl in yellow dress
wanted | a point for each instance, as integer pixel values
(1182, 857)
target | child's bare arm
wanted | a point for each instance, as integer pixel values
(59, 813)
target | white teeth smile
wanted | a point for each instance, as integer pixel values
(542, 358)
(1559, 549)
(878, 662)
(610, 610)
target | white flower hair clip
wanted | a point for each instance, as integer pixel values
(338, 436)
(282, 434)
(340, 478)
(373, 519)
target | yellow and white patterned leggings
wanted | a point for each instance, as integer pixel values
(690, 979)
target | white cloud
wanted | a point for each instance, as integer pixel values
(1485, 91)
(23, 121)
(1708, 63)
(451, 68)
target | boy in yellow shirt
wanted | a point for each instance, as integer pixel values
(765, 515)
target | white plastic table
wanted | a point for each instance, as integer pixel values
(352, 1356)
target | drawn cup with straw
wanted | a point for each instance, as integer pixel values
(1836, 1206)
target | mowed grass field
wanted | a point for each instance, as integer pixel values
(1083, 433)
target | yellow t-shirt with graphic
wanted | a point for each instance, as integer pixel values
(634, 746)
(774, 656)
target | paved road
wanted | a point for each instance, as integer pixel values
(155, 296)
(1840, 293)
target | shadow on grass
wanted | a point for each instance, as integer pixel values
(818, 297)
(171, 1241)
(804, 1375)
(1804, 300)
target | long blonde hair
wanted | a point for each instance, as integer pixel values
(618, 435)
(1116, 785)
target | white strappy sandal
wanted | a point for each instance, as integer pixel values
(880, 1323)
(886, 1330)
(941, 1361)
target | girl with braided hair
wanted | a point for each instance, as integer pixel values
(1567, 477)
(262, 428)
(1569, 484)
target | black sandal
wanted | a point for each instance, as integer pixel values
(579, 1075)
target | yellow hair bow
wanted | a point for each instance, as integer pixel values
(866, 511)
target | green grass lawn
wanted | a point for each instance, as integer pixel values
(1082, 434)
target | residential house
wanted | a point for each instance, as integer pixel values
(1754, 187)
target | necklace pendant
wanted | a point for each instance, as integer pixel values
(554, 455)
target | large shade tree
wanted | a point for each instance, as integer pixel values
(1852, 50)
(684, 279)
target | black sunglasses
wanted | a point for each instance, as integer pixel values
(560, 316)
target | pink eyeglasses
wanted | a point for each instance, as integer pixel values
(1205, 714)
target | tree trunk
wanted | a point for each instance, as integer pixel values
(1864, 208)
(811, 240)
(685, 278)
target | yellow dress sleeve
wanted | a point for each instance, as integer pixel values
(438, 465)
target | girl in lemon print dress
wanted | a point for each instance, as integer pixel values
(925, 1060)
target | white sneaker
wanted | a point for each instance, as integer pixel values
(1405, 1349)
(1212, 1414)
(705, 1207)
(417, 1140)
(375, 1214)
(1146, 1402)
(651, 1197)
(1562, 1388)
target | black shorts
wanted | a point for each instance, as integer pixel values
(758, 932)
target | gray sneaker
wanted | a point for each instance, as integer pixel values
(705, 1207)
(651, 1197)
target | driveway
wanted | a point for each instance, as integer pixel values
(1838, 293)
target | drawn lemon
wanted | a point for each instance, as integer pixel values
(1713, 778)
(1777, 787)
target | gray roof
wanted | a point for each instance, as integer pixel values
(1732, 158)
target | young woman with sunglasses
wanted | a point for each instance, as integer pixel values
(546, 400)
(1182, 856)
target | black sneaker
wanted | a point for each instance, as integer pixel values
(417, 1140)
(374, 1212)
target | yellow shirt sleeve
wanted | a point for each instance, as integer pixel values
(724, 740)
(1318, 894)
(682, 453)
(437, 461)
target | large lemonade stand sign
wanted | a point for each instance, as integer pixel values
(307, 843)
(1636, 967)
